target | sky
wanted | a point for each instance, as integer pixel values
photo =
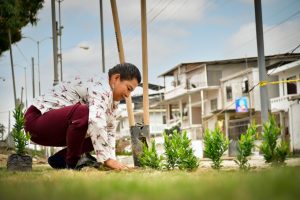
(178, 31)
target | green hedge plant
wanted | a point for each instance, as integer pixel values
(273, 153)
(215, 145)
(178, 151)
(21, 138)
(245, 146)
(150, 158)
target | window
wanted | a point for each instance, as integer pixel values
(184, 110)
(228, 93)
(213, 104)
(164, 119)
(170, 111)
(291, 87)
(245, 86)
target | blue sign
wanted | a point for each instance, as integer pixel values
(241, 105)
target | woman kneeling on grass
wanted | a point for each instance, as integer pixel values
(81, 115)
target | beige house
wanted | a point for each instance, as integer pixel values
(204, 94)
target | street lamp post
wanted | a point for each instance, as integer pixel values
(25, 85)
(38, 42)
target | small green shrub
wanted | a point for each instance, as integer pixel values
(215, 145)
(281, 153)
(150, 158)
(178, 151)
(273, 153)
(244, 147)
(21, 138)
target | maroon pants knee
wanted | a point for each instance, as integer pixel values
(62, 127)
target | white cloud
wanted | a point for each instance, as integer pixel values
(279, 39)
(129, 10)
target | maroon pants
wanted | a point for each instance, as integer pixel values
(62, 127)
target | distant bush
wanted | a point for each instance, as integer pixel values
(172, 130)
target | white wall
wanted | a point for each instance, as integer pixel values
(295, 126)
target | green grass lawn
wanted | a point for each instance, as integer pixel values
(45, 183)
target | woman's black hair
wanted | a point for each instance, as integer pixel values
(127, 71)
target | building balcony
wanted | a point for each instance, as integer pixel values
(175, 92)
(281, 103)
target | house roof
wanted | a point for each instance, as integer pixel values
(282, 66)
(153, 86)
(229, 61)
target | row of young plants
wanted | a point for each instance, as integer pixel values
(179, 154)
(274, 150)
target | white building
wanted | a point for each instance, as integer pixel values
(286, 104)
(203, 95)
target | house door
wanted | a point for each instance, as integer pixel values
(236, 128)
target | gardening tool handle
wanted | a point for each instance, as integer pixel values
(145, 62)
(121, 56)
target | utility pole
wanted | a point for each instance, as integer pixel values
(264, 100)
(102, 36)
(59, 33)
(39, 78)
(12, 67)
(22, 89)
(54, 36)
(8, 129)
(26, 102)
(33, 85)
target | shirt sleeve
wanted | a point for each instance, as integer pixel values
(103, 139)
(111, 129)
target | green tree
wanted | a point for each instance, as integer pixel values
(14, 15)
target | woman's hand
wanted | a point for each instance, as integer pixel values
(114, 164)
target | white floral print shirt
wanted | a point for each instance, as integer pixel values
(97, 94)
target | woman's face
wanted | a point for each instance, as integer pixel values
(122, 89)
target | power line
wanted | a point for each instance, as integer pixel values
(283, 21)
(282, 62)
(267, 30)
(22, 53)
